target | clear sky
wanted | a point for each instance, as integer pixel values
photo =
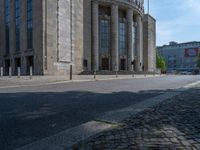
(177, 20)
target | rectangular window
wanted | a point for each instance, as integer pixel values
(7, 25)
(104, 36)
(122, 38)
(17, 25)
(29, 25)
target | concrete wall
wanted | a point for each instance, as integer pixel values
(37, 37)
(88, 34)
(63, 36)
(50, 36)
(77, 32)
(149, 43)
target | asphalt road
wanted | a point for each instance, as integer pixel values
(28, 114)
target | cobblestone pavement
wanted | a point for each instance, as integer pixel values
(172, 125)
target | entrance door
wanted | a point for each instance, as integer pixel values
(105, 64)
(122, 64)
(29, 63)
(17, 64)
(7, 65)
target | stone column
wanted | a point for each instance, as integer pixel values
(139, 61)
(2, 32)
(115, 37)
(95, 35)
(130, 38)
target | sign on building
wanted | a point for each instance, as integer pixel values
(191, 52)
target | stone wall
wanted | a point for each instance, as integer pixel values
(63, 33)
(88, 34)
(149, 45)
(77, 33)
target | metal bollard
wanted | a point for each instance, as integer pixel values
(116, 74)
(95, 74)
(10, 72)
(31, 72)
(71, 72)
(1, 71)
(18, 72)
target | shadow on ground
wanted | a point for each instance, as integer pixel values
(27, 117)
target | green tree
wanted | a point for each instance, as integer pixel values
(160, 63)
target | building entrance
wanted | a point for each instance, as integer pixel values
(7, 65)
(123, 64)
(105, 64)
(17, 64)
(29, 63)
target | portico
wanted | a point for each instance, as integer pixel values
(117, 32)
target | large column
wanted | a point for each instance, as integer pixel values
(139, 61)
(95, 35)
(130, 38)
(115, 37)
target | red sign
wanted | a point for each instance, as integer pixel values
(191, 52)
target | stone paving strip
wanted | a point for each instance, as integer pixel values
(171, 125)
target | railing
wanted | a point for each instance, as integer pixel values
(137, 3)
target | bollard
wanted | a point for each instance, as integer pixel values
(18, 72)
(95, 74)
(1, 71)
(116, 74)
(71, 72)
(31, 72)
(133, 74)
(10, 72)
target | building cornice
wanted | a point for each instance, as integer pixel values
(136, 5)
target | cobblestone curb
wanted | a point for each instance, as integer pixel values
(171, 125)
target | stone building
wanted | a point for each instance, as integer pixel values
(52, 35)
(180, 56)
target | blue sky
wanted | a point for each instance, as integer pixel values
(177, 20)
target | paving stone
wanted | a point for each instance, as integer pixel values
(171, 125)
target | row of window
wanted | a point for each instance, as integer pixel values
(17, 25)
(105, 37)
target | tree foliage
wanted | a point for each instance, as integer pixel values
(160, 62)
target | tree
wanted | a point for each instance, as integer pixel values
(160, 63)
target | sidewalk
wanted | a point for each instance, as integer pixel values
(171, 125)
(41, 80)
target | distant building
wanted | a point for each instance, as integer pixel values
(180, 56)
(52, 35)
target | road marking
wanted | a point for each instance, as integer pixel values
(192, 84)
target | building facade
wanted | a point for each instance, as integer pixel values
(50, 36)
(180, 56)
